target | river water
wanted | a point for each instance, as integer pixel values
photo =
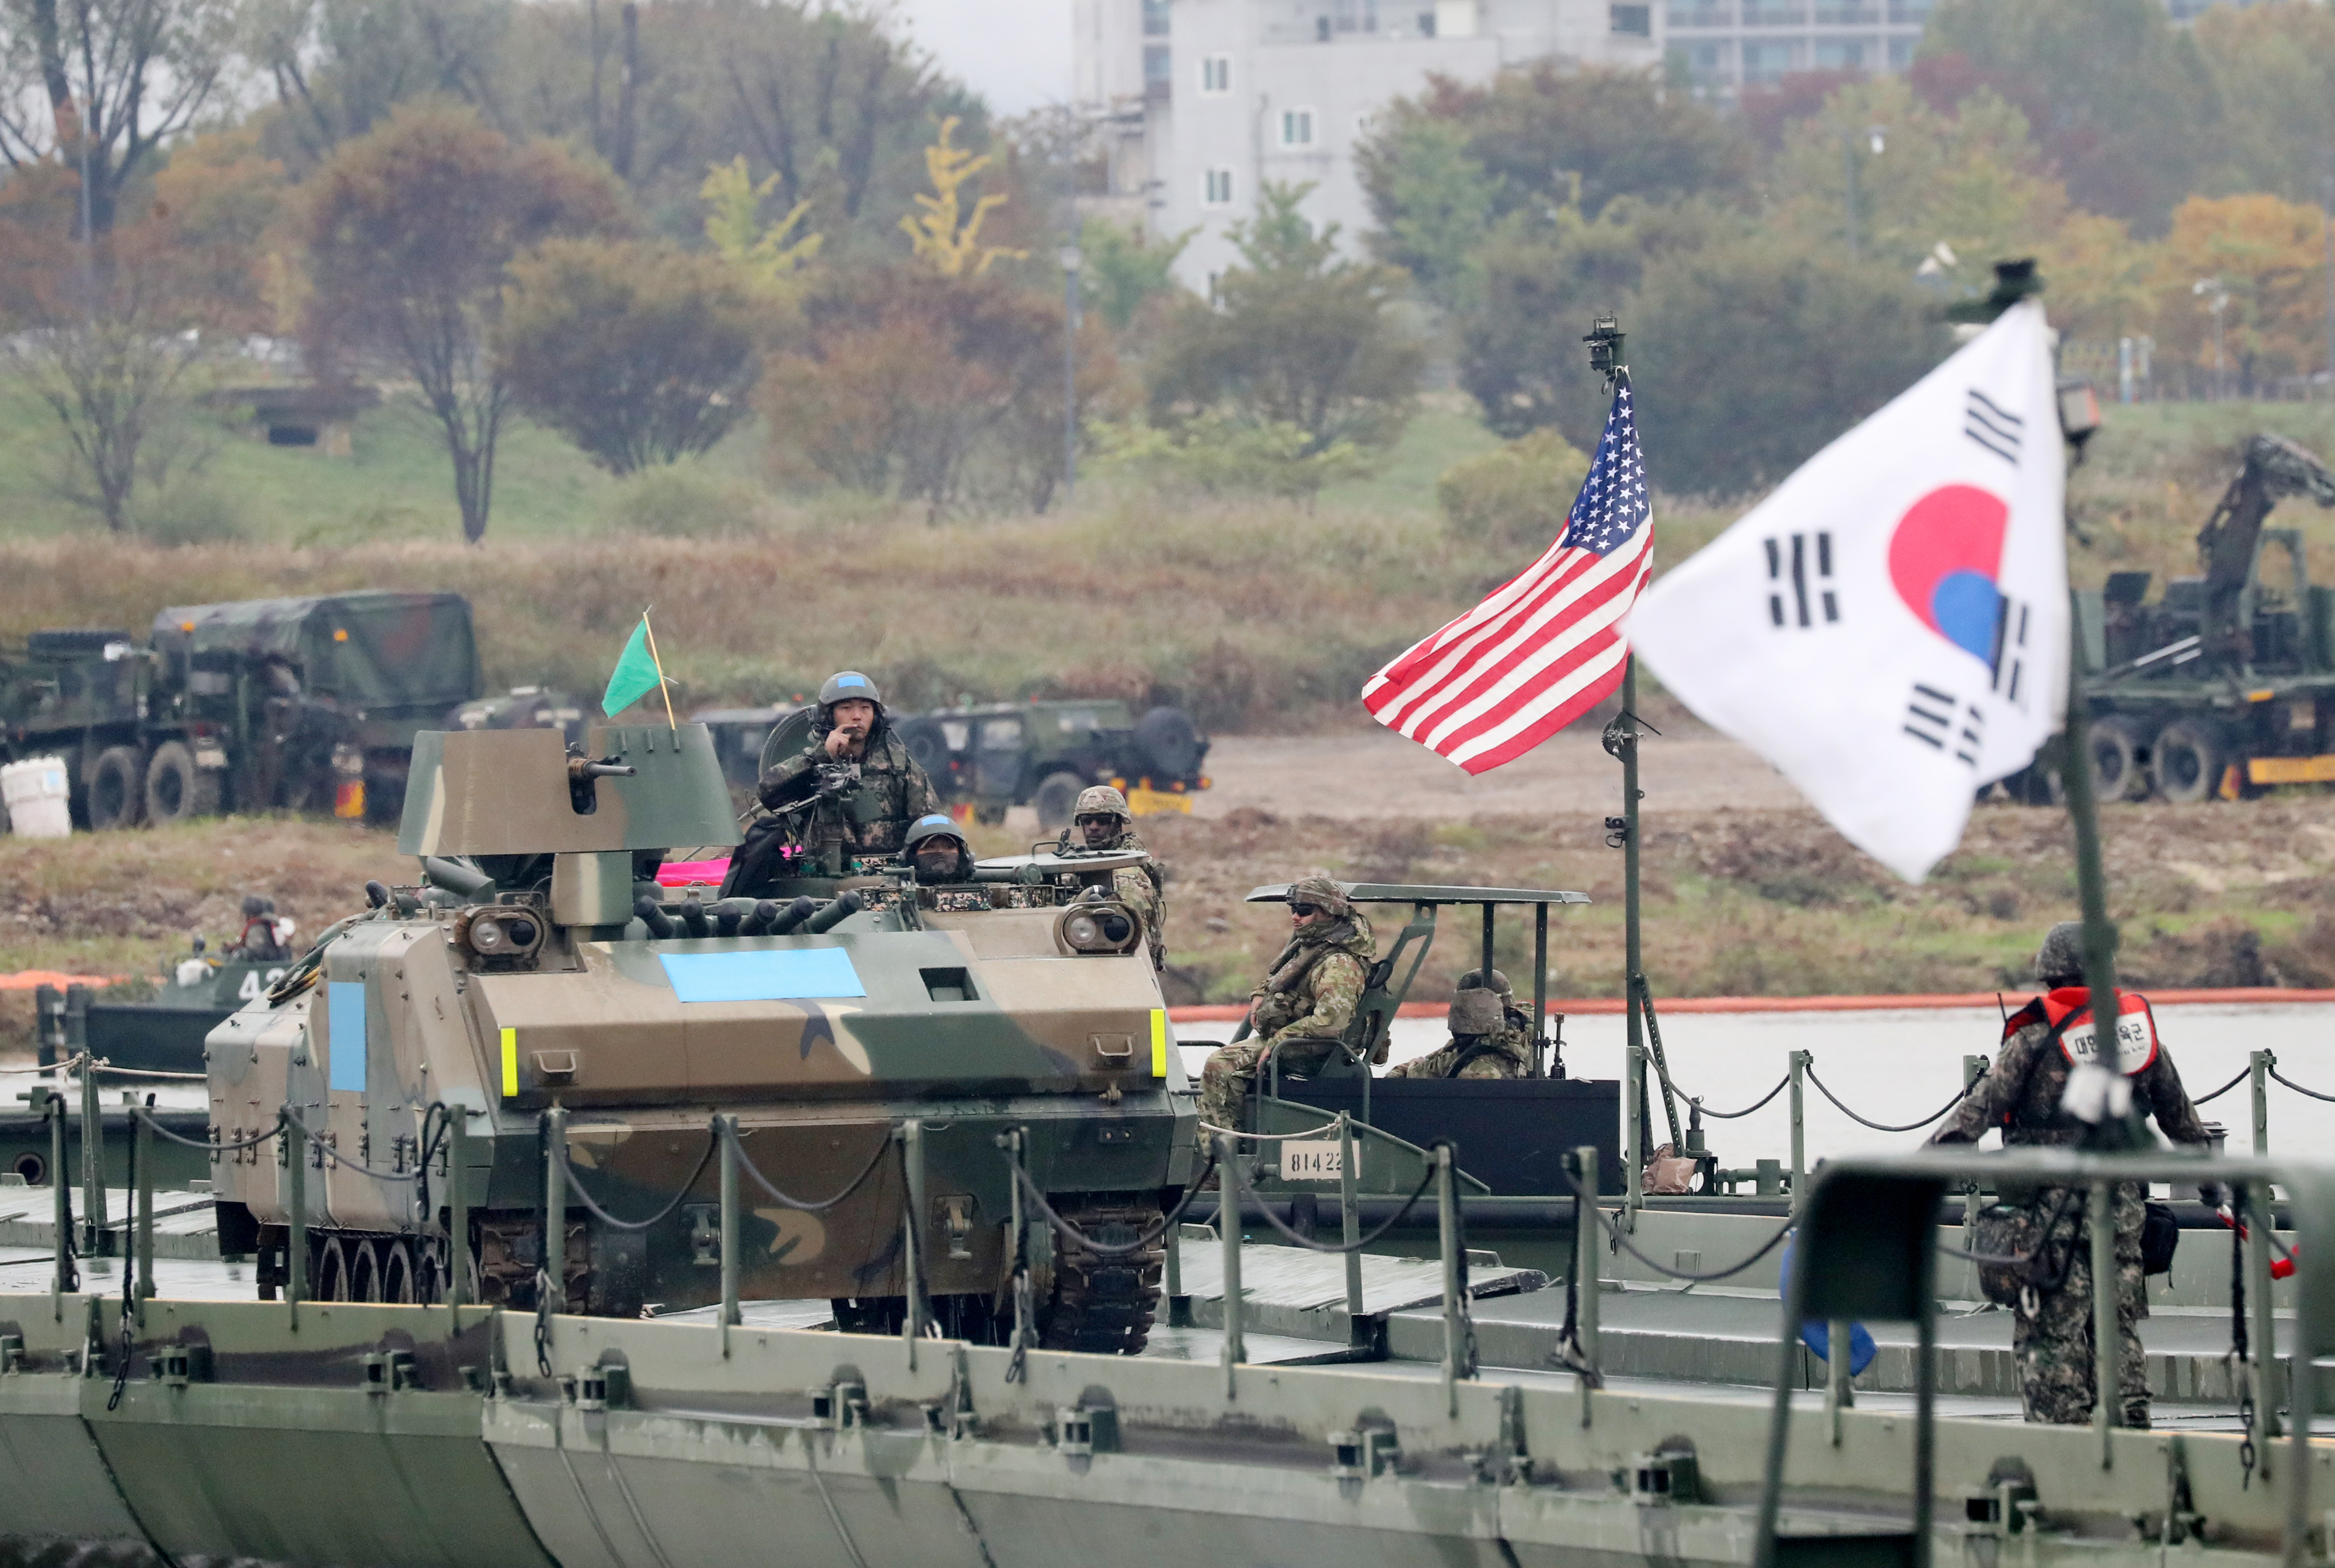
(1894, 1066)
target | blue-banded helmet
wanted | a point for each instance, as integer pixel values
(845, 684)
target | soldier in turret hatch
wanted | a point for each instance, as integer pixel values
(937, 851)
(868, 788)
(1102, 822)
(2022, 1095)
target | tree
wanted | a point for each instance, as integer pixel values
(1434, 204)
(1752, 352)
(2266, 255)
(2119, 99)
(1119, 274)
(770, 254)
(1294, 336)
(409, 229)
(1545, 136)
(945, 391)
(637, 350)
(2273, 71)
(106, 332)
(103, 85)
(339, 67)
(945, 237)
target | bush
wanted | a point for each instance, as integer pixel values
(1514, 497)
(1216, 454)
(684, 502)
(189, 513)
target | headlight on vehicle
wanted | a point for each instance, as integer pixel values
(1098, 928)
(500, 933)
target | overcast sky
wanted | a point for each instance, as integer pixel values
(1014, 53)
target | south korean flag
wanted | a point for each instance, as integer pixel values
(1890, 627)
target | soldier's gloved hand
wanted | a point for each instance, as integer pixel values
(2213, 1194)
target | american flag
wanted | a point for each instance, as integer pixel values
(1544, 650)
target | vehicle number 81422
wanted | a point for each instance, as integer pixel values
(1314, 1161)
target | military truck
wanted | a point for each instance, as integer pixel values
(534, 982)
(2224, 684)
(304, 703)
(996, 755)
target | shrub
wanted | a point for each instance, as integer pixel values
(1514, 497)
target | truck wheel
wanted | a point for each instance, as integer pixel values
(2190, 758)
(1170, 746)
(1057, 798)
(927, 746)
(117, 796)
(176, 789)
(2118, 772)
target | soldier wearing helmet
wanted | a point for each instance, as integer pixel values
(1302, 1010)
(2026, 1095)
(1489, 1038)
(866, 787)
(1103, 823)
(936, 851)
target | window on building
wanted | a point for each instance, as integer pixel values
(1909, 13)
(1775, 13)
(1840, 54)
(1159, 66)
(1701, 13)
(1767, 61)
(1155, 18)
(1709, 66)
(1901, 52)
(1216, 74)
(1296, 127)
(1846, 13)
(1216, 188)
(1633, 21)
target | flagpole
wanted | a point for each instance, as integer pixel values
(1633, 1088)
(664, 689)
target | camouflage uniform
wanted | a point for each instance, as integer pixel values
(2022, 1095)
(867, 818)
(1305, 1003)
(1142, 889)
(1486, 1030)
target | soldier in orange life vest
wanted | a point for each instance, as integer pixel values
(2022, 1095)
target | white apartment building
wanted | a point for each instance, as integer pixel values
(1204, 99)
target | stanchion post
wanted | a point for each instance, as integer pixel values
(292, 1143)
(1458, 1363)
(1229, 1238)
(92, 1166)
(1023, 1333)
(2256, 1205)
(554, 1207)
(53, 1105)
(725, 1132)
(2107, 1344)
(912, 1322)
(1801, 1061)
(2258, 1066)
(142, 1157)
(1350, 1231)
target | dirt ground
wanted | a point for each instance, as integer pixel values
(1746, 891)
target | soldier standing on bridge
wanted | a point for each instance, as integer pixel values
(2022, 1095)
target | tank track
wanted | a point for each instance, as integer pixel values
(1100, 1305)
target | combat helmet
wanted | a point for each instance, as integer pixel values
(849, 684)
(1474, 981)
(2060, 959)
(935, 825)
(1323, 893)
(1474, 1011)
(1103, 800)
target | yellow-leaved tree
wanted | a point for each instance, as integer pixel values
(769, 255)
(947, 237)
(2260, 256)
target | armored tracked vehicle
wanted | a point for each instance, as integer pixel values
(869, 1036)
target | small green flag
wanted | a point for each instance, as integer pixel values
(636, 673)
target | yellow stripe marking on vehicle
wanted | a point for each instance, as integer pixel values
(1159, 1042)
(510, 1062)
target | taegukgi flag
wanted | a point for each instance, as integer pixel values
(1890, 627)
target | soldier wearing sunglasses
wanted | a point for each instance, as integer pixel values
(1303, 1007)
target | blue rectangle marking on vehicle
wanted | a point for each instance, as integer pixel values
(345, 1045)
(763, 975)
